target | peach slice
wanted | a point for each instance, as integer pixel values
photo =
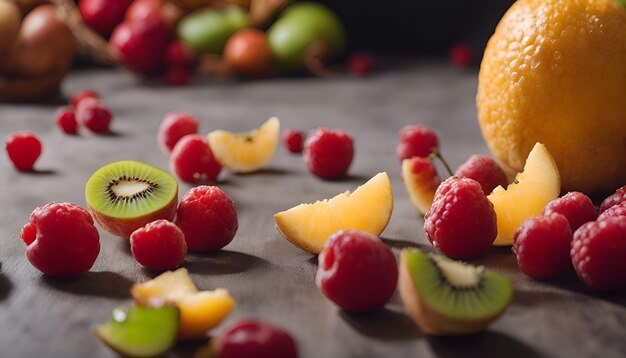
(368, 209)
(526, 197)
(200, 311)
(421, 181)
(246, 152)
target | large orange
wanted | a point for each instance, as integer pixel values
(555, 72)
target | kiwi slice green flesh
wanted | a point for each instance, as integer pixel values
(129, 189)
(140, 331)
(454, 297)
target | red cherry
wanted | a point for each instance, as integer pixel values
(174, 126)
(142, 45)
(253, 339)
(462, 55)
(103, 15)
(81, 95)
(65, 119)
(23, 148)
(193, 161)
(360, 64)
(160, 245)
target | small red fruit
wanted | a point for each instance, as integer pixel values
(208, 218)
(142, 45)
(416, 140)
(248, 52)
(599, 254)
(61, 239)
(253, 339)
(103, 15)
(160, 245)
(462, 55)
(179, 55)
(485, 171)
(174, 126)
(23, 148)
(177, 76)
(575, 206)
(616, 198)
(81, 95)
(357, 271)
(328, 153)
(94, 115)
(65, 118)
(461, 223)
(360, 64)
(614, 211)
(542, 246)
(293, 140)
(193, 161)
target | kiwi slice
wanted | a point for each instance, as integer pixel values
(126, 195)
(140, 331)
(446, 297)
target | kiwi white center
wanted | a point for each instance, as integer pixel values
(459, 274)
(127, 189)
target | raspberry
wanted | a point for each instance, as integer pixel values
(94, 115)
(461, 55)
(416, 140)
(193, 161)
(577, 208)
(614, 211)
(177, 76)
(357, 271)
(160, 245)
(179, 55)
(174, 126)
(65, 118)
(293, 139)
(328, 153)
(599, 254)
(360, 64)
(461, 223)
(23, 148)
(542, 246)
(61, 239)
(252, 339)
(208, 218)
(83, 94)
(485, 171)
(616, 198)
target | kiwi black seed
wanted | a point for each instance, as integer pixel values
(124, 196)
(447, 297)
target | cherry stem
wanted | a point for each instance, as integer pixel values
(436, 154)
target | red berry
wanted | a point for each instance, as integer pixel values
(575, 206)
(160, 245)
(328, 153)
(616, 198)
(65, 118)
(248, 53)
(83, 94)
(485, 171)
(179, 55)
(599, 254)
(542, 246)
(293, 140)
(177, 76)
(416, 140)
(23, 148)
(208, 218)
(357, 271)
(614, 211)
(253, 339)
(61, 239)
(360, 64)
(103, 15)
(461, 223)
(94, 115)
(142, 45)
(174, 126)
(461, 55)
(192, 160)
(140, 10)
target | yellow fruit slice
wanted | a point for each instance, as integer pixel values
(200, 311)
(526, 197)
(368, 209)
(246, 152)
(421, 181)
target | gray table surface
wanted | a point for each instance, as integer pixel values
(269, 278)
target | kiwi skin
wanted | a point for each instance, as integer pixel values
(124, 227)
(430, 321)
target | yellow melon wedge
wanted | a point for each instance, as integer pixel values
(368, 208)
(246, 152)
(527, 196)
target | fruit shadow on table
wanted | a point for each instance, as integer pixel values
(6, 286)
(223, 262)
(483, 344)
(101, 284)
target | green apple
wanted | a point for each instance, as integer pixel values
(206, 31)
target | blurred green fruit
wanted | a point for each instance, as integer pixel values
(300, 26)
(207, 31)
